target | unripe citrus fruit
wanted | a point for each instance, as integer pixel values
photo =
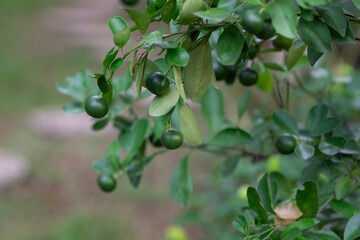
(106, 182)
(248, 77)
(285, 144)
(172, 139)
(252, 21)
(157, 84)
(96, 107)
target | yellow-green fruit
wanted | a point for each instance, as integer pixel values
(186, 15)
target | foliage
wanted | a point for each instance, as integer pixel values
(320, 194)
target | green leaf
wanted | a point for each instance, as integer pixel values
(230, 165)
(104, 165)
(168, 44)
(116, 24)
(212, 109)
(284, 18)
(292, 234)
(122, 83)
(323, 234)
(304, 151)
(253, 2)
(326, 126)
(132, 139)
(113, 154)
(275, 66)
(217, 14)
(241, 224)
(139, 76)
(110, 56)
(141, 18)
(117, 64)
(343, 208)
(103, 85)
(303, 224)
(229, 45)
(199, 73)
(328, 149)
(342, 187)
(73, 108)
(162, 105)
(294, 55)
(333, 15)
(286, 122)
(168, 11)
(121, 37)
(317, 115)
(357, 3)
(265, 191)
(307, 199)
(311, 3)
(313, 56)
(265, 81)
(315, 34)
(100, 124)
(231, 137)
(177, 57)
(244, 103)
(181, 182)
(179, 83)
(352, 228)
(154, 37)
(254, 203)
(349, 35)
(189, 125)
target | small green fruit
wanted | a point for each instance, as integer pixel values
(157, 84)
(172, 139)
(281, 42)
(252, 21)
(220, 70)
(267, 32)
(248, 77)
(106, 182)
(285, 144)
(230, 78)
(96, 107)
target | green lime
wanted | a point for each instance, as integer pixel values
(157, 83)
(281, 42)
(267, 32)
(172, 139)
(106, 182)
(130, 2)
(285, 144)
(248, 77)
(155, 143)
(231, 75)
(253, 51)
(220, 70)
(96, 107)
(252, 21)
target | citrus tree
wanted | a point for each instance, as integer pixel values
(199, 47)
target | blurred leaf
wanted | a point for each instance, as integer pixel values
(304, 151)
(342, 187)
(100, 124)
(324, 234)
(117, 64)
(121, 37)
(284, 18)
(343, 208)
(177, 57)
(352, 228)
(307, 199)
(231, 137)
(326, 126)
(333, 15)
(189, 125)
(229, 45)
(168, 11)
(241, 224)
(294, 55)
(116, 24)
(244, 103)
(317, 115)
(286, 122)
(179, 83)
(113, 154)
(291, 234)
(154, 37)
(131, 139)
(230, 165)
(73, 108)
(141, 18)
(181, 182)
(212, 109)
(104, 165)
